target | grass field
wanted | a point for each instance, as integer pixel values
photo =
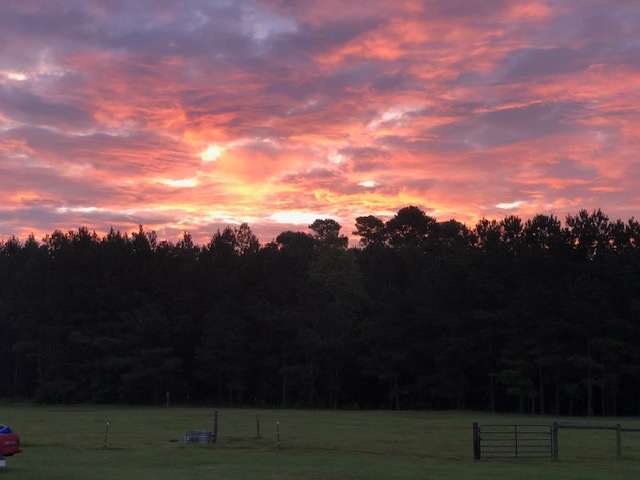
(66, 443)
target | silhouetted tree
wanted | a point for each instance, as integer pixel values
(537, 316)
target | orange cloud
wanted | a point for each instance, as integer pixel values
(189, 117)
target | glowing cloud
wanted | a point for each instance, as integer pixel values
(179, 183)
(16, 76)
(368, 184)
(395, 114)
(336, 158)
(212, 153)
(79, 209)
(510, 205)
(297, 217)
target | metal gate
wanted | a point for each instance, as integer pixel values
(512, 441)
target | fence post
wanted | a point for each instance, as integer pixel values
(618, 440)
(476, 441)
(515, 435)
(215, 426)
(258, 434)
(107, 427)
(278, 433)
(554, 440)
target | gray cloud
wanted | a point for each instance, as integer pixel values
(507, 126)
(529, 63)
(105, 151)
(23, 106)
(568, 168)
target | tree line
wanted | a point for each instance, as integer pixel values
(534, 316)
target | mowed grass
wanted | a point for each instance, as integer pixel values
(67, 443)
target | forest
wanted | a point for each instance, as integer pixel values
(536, 316)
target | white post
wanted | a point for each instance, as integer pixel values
(107, 428)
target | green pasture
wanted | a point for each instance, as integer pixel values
(67, 443)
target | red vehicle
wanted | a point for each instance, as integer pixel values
(9, 442)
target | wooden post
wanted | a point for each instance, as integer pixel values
(168, 399)
(476, 441)
(215, 426)
(278, 433)
(107, 427)
(492, 392)
(515, 438)
(258, 434)
(618, 440)
(589, 383)
(541, 390)
(554, 440)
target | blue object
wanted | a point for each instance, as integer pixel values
(5, 429)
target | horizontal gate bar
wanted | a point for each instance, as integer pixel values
(507, 432)
(529, 449)
(513, 457)
(505, 425)
(593, 427)
(513, 444)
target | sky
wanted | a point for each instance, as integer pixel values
(191, 115)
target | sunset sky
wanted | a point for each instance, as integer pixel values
(189, 115)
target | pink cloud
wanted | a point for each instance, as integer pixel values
(465, 108)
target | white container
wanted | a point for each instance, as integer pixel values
(3, 463)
